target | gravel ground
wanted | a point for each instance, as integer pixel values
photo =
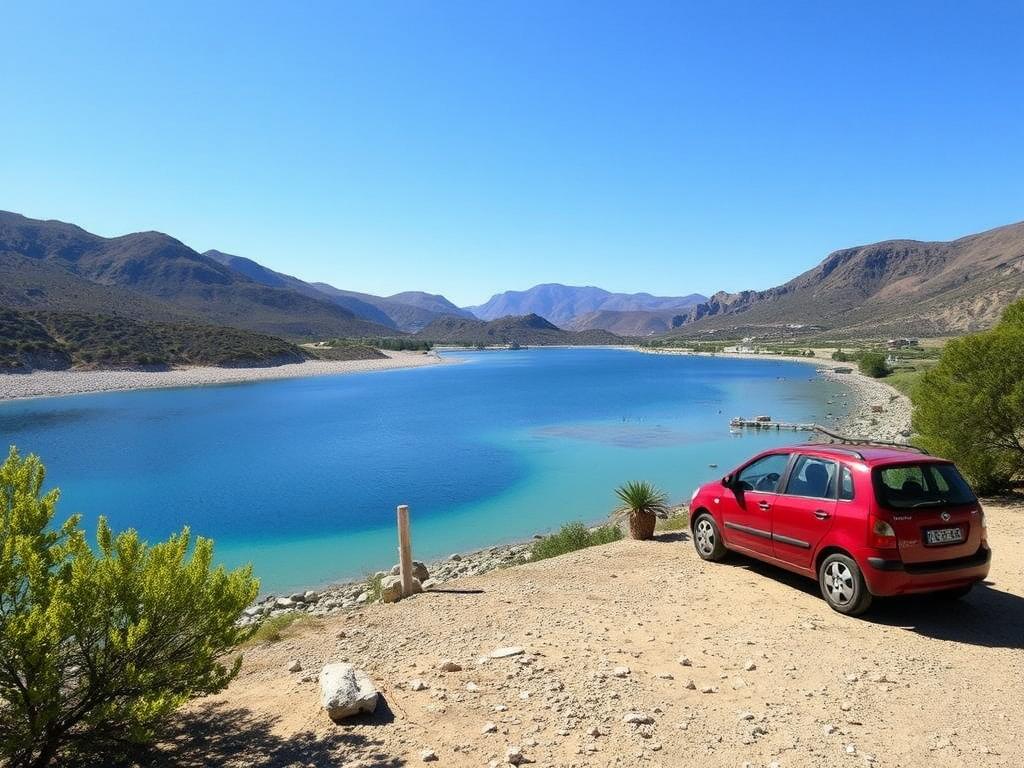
(617, 633)
(54, 383)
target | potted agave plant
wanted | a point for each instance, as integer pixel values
(643, 504)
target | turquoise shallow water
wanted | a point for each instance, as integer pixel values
(301, 476)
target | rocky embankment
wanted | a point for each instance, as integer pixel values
(381, 588)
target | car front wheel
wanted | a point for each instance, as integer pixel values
(843, 586)
(706, 538)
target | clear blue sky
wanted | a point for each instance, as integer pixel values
(472, 147)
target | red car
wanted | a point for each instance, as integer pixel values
(863, 520)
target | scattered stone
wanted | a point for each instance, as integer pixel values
(428, 756)
(450, 666)
(738, 682)
(749, 666)
(417, 685)
(690, 685)
(621, 671)
(455, 557)
(489, 727)
(685, 661)
(346, 691)
(707, 689)
(419, 570)
(294, 665)
(637, 718)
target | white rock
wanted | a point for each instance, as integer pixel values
(489, 727)
(417, 685)
(621, 671)
(346, 691)
(502, 653)
(637, 718)
(294, 665)
(428, 756)
(514, 756)
(750, 666)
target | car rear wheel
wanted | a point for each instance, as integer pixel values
(706, 538)
(842, 585)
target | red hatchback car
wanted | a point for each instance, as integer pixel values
(863, 520)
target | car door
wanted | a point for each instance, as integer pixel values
(803, 512)
(747, 513)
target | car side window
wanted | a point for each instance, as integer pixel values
(813, 477)
(764, 474)
(845, 484)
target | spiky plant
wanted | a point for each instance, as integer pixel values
(643, 504)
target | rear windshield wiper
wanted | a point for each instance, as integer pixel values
(929, 503)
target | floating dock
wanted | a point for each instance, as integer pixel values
(762, 422)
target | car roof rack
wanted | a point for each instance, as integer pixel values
(845, 440)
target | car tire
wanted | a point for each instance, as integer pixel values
(707, 540)
(842, 585)
(956, 593)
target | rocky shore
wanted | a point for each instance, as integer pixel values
(348, 595)
(14, 386)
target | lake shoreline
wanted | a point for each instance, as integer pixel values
(39, 384)
(891, 424)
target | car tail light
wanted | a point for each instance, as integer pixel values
(882, 534)
(983, 523)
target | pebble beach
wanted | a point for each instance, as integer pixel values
(15, 386)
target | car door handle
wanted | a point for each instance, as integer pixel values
(821, 514)
(764, 505)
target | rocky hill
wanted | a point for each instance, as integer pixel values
(564, 305)
(529, 330)
(37, 340)
(896, 287)
(150, 276)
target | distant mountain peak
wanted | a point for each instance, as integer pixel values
(563, 305)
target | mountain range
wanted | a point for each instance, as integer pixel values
(580, 307)
(895, 287)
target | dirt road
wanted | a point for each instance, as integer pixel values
(777, 678)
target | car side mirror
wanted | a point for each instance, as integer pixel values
(728, 481)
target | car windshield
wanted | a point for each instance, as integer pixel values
(919, 486)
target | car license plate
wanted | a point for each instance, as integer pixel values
(943, 535)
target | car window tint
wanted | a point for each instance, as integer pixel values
(813, 477)
(921, 485)
(764, 474)
(846, 484)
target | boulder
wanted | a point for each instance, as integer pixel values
(346, 691)
(419, 570)
(391, 588)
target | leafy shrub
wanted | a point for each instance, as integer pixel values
(276, 628)
(571, 537)
(99, 647)
(970, 406)
(873, 364)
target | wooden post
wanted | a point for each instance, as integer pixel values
(404, 550)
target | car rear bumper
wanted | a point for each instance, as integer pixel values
(894, 577)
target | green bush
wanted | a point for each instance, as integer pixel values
(571, 537)
(970, 406)
(873, 364)
(99, 647)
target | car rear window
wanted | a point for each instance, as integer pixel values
(909, 486)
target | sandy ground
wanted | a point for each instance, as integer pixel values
(917, 682)
(52, 383)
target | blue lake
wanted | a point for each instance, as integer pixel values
(301, 476)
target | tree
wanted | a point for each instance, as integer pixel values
(970, 406)
(873, 364)
(99, 647)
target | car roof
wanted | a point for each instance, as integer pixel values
(869, 454)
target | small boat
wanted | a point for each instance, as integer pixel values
(713, 466)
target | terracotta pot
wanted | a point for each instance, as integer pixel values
(641, 525)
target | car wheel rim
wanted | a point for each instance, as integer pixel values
(705, 537)
(839, 583)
